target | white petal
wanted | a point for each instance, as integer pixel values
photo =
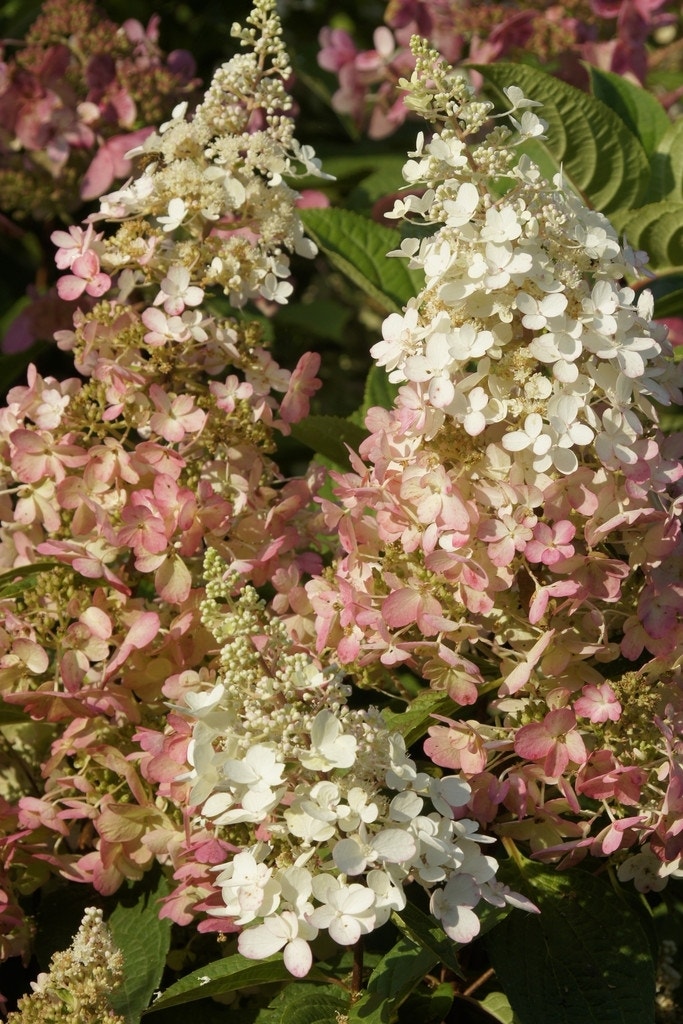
(394, 845)
(259, 943)
(298, 958)
(349, 857)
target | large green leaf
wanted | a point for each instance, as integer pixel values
(640, 111)
(424, 929)
(372, 172)
(227, 975)
(498, 1005)
(428, 1005)
(143, 938)
(379, 390)
(392, 981)
(667, 165)
(601, 157)
(413, 723)
(325, 319)
(305, 1003)
(585, 958)
(358, 247)
(658, 229)
(329, 435)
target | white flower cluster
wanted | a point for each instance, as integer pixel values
(211, 206)
(78, 986)
(522, 329)
(330, 814)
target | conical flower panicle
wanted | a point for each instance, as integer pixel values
(515, 526)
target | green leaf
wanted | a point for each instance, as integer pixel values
(423, 929)
(667, 165)
(600, 156)
(379, 390)
(313, 1004)
(413, 723)
(227, 975)
(358, 247)
(586, 957)
(658, 229)
(143, 938)
(304, 1003)
(385, 178)
(640, 111)
(427, 1006)
(325, 319)
(14, 581)
(11, 715)
(498, 1005)
(391, 982)
(329, 435)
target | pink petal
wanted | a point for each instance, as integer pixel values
(173, 581)
(533, 741)
(70, 288)
(401, 608)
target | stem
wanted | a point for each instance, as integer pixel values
(357, 972)
(479, 981)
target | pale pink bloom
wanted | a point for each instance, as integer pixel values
(144, 627)
(176, 415)
(86, 277)
(163, 328)
(36, 504)
(550, 544)
(407, 606)
(460, 746)
(35, 812)
(36, 456)
(347, 911)
(110, 162)
(302, 385)
(74, 243)
(554, 742)
(232, 391)
(598, 704)
(507, 535)
(604, 778)
(452, 907)
(25, 655)
(337, 49)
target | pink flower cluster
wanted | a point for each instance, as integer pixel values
(114, 485)
(560, 605)
(74, 99)
(612, 36)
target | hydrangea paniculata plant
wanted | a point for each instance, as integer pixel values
(183, 634)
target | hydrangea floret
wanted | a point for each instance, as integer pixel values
(511, 532)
